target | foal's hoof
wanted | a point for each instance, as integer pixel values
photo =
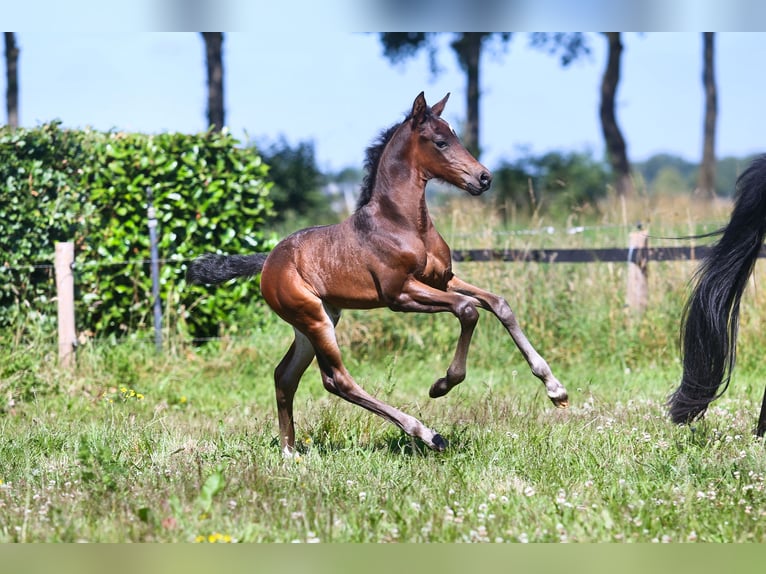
(438, 443)
(439, 388)
(560, 400)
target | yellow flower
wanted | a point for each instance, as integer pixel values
(215, 537)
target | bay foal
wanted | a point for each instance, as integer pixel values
(386, 254)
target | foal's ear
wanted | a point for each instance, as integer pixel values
(438, 107)
(419, 109)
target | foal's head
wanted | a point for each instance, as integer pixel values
(438, 151)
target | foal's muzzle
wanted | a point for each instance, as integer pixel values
(480, 184)
(485, 179)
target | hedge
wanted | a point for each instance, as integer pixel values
(92, 188)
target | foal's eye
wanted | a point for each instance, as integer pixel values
(441, 144)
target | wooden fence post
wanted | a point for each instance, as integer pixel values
(638, 259)
(65, 303)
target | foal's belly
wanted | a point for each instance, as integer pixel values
(347, 272)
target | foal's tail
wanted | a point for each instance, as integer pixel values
(213, 269)
(711, 316)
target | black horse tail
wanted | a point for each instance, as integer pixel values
(213, 269)
(711, 315)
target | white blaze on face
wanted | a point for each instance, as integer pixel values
(449, 126)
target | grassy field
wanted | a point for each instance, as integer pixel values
(182, 447)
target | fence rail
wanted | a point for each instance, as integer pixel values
(603, 255)
(637, 256)
(597, 255)
(580, 255)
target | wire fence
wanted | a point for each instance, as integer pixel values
(637, 255)
(509, 255)
(92, 264)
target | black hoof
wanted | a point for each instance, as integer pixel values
(561, 401)
(439, 388)
(438, 443)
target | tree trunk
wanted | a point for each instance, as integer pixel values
(706, 184)
(468, 50)
(12, 77)
(214, 59)
(615, 143)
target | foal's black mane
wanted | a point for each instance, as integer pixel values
(372, 160)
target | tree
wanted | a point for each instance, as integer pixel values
(468, 48)
(12, 79)
(297, 182)
(398, 46)
(552, 181)
(670, 181)
(214, 59)
(569, 46)
(706, 183)
(615, 143)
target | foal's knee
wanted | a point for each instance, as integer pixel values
(467, 313)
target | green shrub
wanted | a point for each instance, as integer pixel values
(40, 206)
(94, 188)
(297, 183)
(557, 182)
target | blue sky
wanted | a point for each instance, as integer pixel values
(334, 87)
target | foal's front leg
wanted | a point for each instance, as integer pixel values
(417, 297)
(500, 308)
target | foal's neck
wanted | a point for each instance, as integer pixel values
(400, 189)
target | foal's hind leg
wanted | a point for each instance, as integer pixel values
(500, 308)
(287, 375)
(319, 329)
(760, 428)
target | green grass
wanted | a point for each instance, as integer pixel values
(183, 447)
(197, 459)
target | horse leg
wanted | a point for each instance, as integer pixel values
(500, 308)
(317, 323)
(339, 381)
(468, 317)
(760, 429)
(417, 297)
(287, 375)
